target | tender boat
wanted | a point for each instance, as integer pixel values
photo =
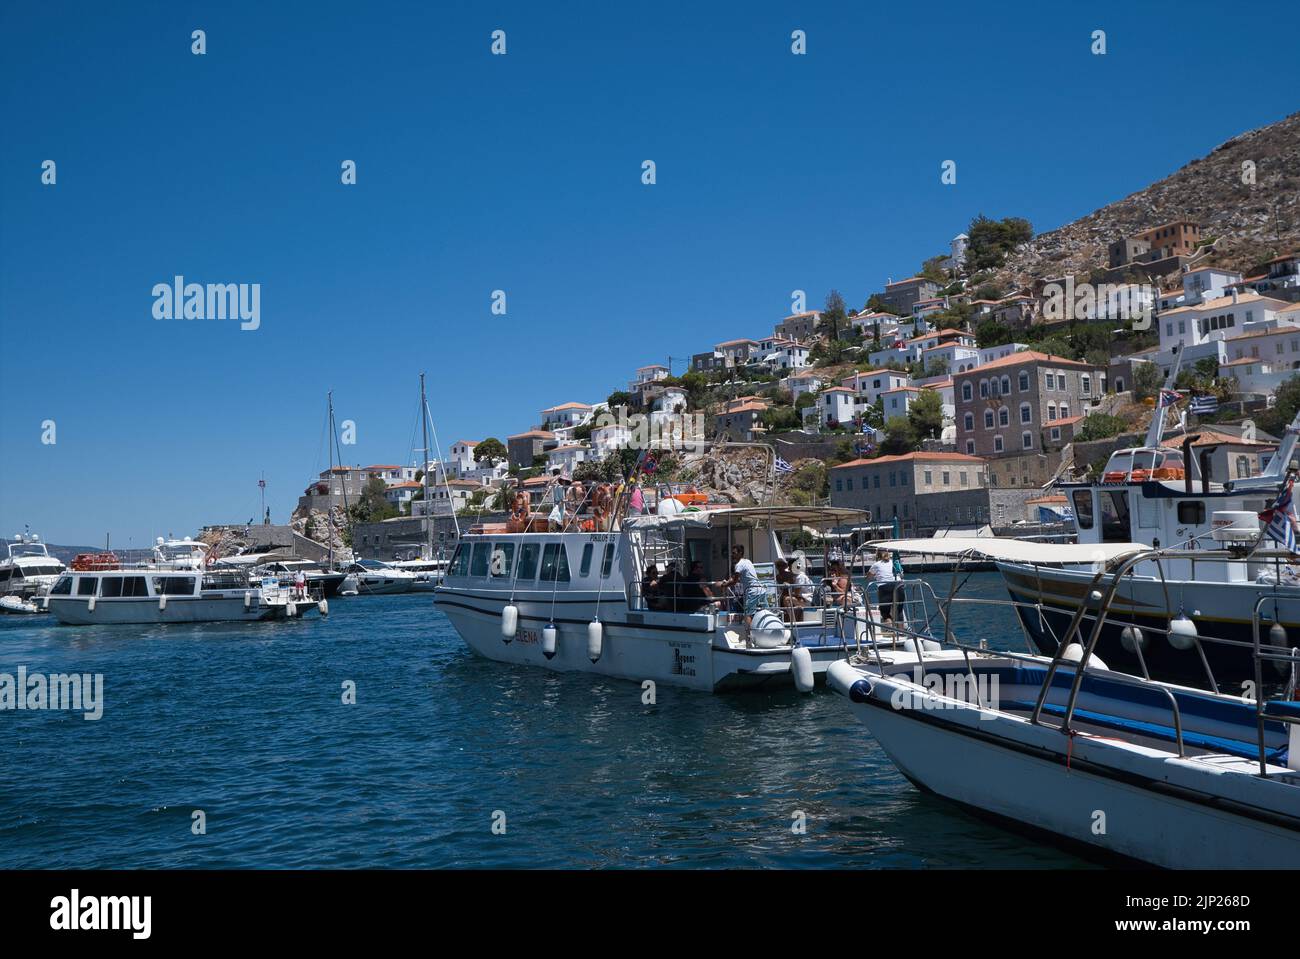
(570, 598)
(321, 582)
(1100, 760)
(28, 569)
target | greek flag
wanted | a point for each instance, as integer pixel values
(1281, 519)
(1203, 405)
(783, 467)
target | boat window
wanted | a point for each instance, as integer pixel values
(1120, 463)
(86, 585)
(607, 561)
(503, 559)
(528, 561)
(1114, 517)
(1082, 508)
(173, 585)
(555, 564)
(63, 587)
(1144, 460)
(584, 568)
(460, 562)
(1191, 512)
(112, 586)
(134, 586)
(478, 565)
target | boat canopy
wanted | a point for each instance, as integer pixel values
(754, 517)
(1012, 550)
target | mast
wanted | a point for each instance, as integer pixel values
(1156, 432)
(428, 503)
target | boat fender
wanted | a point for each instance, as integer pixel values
(595, 639)
(162, 603)
(324, 607)
(860, 692)
(840, 676)
(292, 610)
(1182, 633)
(1132, 638)
(248, 599)
(90, 606)
(801, 665)
(1277, 637)
(930, 645)
(549, 636)
(509, 621)
(1074, 652)
(767, 631)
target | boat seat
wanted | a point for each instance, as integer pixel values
(1214, 744)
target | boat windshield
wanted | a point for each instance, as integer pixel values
(1121, 462)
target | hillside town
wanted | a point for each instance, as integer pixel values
(944, 401)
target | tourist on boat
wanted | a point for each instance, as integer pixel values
(300, 584)
(785, 590)
(882, 571)
(838, 587)
(694, 590)
(744, 579)
(650, 587)
(669, 589)
(636, 502)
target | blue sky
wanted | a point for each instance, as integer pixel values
(522, 173)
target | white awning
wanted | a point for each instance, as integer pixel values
(1012, 550)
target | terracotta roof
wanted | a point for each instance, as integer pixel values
(910, 279)
(795, 316)
(533, 434)
(565, 449)
(465, 443)
(747, 408)
(735, 343)
(1242, 361)
(837, 389)
(652, 366)
(1219, 302)
(406, 485)
(1027, 356)
(1050, 498)
(913, 457)
(1066, 421)
(1213, 438)
(382, 466)
(567, 406)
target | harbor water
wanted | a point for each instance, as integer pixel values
(445, 759)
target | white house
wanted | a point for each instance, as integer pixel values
(566, 414)
(870, 384)
(399, 494)
(446, 498)
(1223, 318)
(672, 400)
(387, 472)
(806, 381)
(565, 459)
(835, 406)
(607, 439)
(462, 456)
(955, 357)
(647, 374)
(1206, 283)
(990, 353)
(1256, 375)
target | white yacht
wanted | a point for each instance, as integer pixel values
(28, 569)
(573, 601)
(374, 578)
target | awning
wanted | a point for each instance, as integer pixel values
(1012, 550)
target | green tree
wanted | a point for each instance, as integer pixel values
(899, 437)
(619, 398)
(1100, 426)
(876, 305)
(834, 316)
(925, 416)
(1147, 380)
(491, 449)
(372, 505)
(991, 241)
(993, 333)
(1277, 419)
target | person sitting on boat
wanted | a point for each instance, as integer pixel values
(693, 590)
(670, 588)
(882, 571)
(785, 590)
(744, 579)
(839, 590)
(650, 587)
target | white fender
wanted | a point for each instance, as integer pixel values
(767, 631)
(509, 621)
(1182, 633)
(324, 607)
(292, 609)
(162, 602)
(1131, 638)
(90, 606)
(595, 639)
(840, 676)
(1074, 652)
(801, 665)
(248, 599)
(549, 638)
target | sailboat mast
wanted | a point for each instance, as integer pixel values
(329, 482)
(428, 503)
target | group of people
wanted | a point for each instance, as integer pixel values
(674, 592)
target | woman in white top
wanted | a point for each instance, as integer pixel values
(882, 571)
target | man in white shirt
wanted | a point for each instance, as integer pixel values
(745, 576)
(882, 572)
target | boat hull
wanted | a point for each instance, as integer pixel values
(75, 611)
(1081, 790)
(1220, 610)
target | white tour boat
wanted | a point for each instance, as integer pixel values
(573, 601)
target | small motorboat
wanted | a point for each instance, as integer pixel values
(19, 606)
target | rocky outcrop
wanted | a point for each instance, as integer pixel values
(1251, 221)
(316, 525)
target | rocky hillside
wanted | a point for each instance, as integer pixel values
(1239, 216)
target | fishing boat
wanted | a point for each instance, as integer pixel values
(27, 569)
(1084, 755)
(572, 595)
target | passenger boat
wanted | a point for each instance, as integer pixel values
(570, 597)
(27, 569)
(319, 579)
(1090, 757)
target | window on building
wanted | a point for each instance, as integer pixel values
(928, 477)
(997, 444)
(1085, 384)
(1024, 381)
(1004, 418)
(965, 393)
(988, 419)
(968, 421)
(970, 447)
(1191, 512)
(965, 480)
(984, 389)
(1027, 440)
(947, 478)
(1026, 413)
(1006, 386)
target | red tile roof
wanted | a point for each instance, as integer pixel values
(913, 457)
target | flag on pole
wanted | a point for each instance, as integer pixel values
(1204, 405)
(1169, 398)
(1281, 518)
(783, 467)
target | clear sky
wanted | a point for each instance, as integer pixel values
(522, 173)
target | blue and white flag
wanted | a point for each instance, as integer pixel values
(782, 466)
(1281, 519)
(1204, 405)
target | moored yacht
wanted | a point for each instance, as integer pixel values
(27, 569)
(374, 578)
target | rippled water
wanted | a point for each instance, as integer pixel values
(246, 723)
